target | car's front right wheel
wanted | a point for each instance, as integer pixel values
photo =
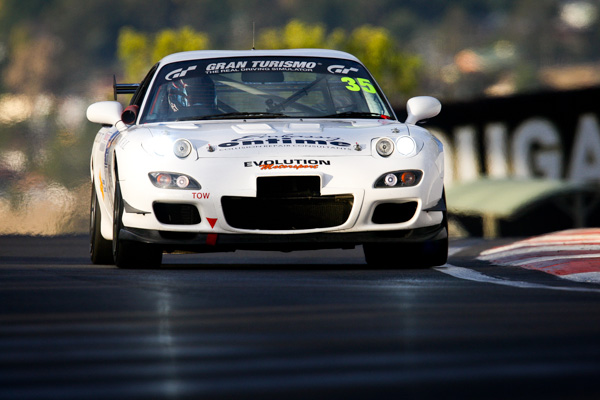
(100, 248)
(129, 254)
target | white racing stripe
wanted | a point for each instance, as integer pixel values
(508, 251)
(572, 254)
(588, 277)
(539, 260)
(472, 275)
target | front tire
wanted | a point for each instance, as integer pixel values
(100, 248)
(129, 254)
(407, 255)
(418, 255)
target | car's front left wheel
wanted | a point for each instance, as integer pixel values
(408, 255)
(411, 255)
(129, 254)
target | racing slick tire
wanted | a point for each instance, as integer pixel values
(129, 254)
(100, 248)
(407, 255)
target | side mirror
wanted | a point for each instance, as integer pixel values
(105, 112)
(422, 107)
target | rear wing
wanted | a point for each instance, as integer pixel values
(123, 88)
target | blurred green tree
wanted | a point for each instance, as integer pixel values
(133, 50)
(296, 34)
(138, 51)
(396, 71)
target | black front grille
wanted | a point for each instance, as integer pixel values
(176, 214)
(394, 213)
(287, 213)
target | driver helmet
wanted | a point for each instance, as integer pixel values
(189, 92)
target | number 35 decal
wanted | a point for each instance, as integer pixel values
(365, 84)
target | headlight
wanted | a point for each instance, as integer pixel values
(384, 147)
(169, 180)
(408, 178)
(390, 180)
(182, 181)
(182, 148)
(397, 179)
(158, 145)
(406, 145)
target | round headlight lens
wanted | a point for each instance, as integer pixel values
(163, 180)
(158, 145)
(384, 147)
(390, 180)
(406, 145)
(169, 180)
(182, 181)
(408, 178)
(182, 148)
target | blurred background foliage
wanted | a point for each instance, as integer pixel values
(397, 71)
(394, 69)
(138, 51)
(58, 56)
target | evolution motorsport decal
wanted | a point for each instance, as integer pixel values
(286, 164)
(266, 140)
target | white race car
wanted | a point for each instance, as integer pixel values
(265, 150)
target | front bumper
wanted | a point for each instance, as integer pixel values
(230, 200)
(216, 242)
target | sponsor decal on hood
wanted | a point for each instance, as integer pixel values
(265, 140)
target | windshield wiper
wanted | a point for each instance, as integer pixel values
(244, 114)
(357, 114)
(234, 115)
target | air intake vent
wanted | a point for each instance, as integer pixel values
(394, 213)
(176, 214)
(287, 213)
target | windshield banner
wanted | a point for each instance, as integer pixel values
(260, 64)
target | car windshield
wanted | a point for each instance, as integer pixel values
(263, 87)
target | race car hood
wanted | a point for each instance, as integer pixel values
(293, 138)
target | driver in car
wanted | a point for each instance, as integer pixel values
(197, 93)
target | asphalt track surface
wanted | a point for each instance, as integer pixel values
(290, 325)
